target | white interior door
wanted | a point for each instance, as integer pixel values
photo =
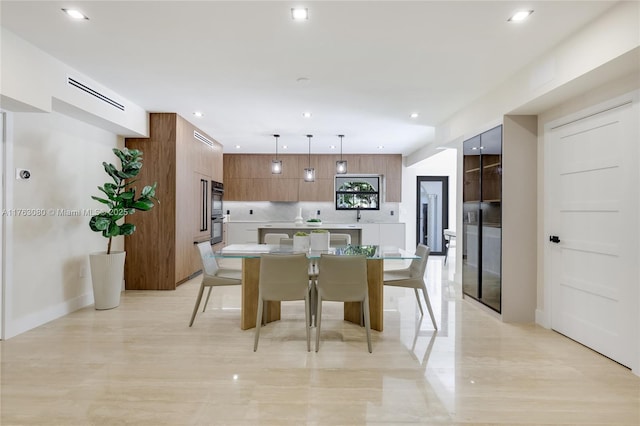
(592, 181)
(2, 223)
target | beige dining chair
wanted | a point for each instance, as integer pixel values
(212, 276)
(342, 279)
(339, 240)
(274, 238)
(413, 277)
(283, 277)
(286, 242)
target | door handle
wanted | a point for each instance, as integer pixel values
(554, 239)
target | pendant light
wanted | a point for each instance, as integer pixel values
(276, 165)
(341, 166)
(309, 173)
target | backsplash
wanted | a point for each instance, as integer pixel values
(265, 211)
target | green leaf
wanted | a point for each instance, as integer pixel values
(102, 200)
(127, 228)
(99, 223)
(128, 195)
(113, 230)
(112, 171)
(149, 191)
(143, 204)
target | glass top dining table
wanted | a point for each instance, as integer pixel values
(240, 251)
(250, 255)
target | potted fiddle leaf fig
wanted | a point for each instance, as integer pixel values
(120, 199)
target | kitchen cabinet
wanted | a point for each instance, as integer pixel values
(248, 177)
(499, 218)
(183, 161)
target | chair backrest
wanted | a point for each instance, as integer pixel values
(284, 276)
(286, 241)
(209, 263)
(338, 240)
(342, 278)
(418, 266)
(274, 238)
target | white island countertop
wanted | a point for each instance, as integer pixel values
(305, 225)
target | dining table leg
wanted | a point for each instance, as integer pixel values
(249, 303)
(375, 280)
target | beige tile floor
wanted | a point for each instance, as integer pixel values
(141, 364)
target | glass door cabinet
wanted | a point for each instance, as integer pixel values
(482, 218)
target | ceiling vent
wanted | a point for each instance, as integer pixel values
(202, 138)
(75, 83)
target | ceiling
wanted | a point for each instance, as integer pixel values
(361, 68)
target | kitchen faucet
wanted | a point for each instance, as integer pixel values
(358, 217)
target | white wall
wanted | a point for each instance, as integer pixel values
(62, 135)
(596, 63)
(612, 35)
(33, 80)
(443, 163)
(47, 253)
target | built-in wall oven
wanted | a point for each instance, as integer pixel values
(217, 195)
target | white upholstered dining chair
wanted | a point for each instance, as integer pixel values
(212, 276)
(274, 238)
(339, 240)
(342, 279)
(413, 277)
(283, 277)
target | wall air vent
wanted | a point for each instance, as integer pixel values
(75, 83)
(202, 138)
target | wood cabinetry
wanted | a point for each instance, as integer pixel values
(248, 177)
(161, 254)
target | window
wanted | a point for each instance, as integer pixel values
(357, 192)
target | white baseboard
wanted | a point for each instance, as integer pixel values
(13, 327)
(542, 319)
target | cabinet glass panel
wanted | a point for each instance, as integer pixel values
(471, 215)
(482, 218)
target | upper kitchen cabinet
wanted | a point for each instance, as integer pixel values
(183, 161)
(248, 177)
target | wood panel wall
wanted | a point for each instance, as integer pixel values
(150, 261)
(161, 254)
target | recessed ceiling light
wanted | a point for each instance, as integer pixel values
(520, 16)
(300, 14)
(414, 115)
(75, 14)
(284, 147)
(380, 147)
(306, 114)
(198, 114)
(332, 147)
(237, 146)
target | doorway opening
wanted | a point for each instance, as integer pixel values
(432, 212)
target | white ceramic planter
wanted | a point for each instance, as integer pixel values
(319, 241)
(300, 243)
(107, 273)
